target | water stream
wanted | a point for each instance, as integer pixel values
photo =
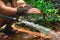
(42, 29)
(55, 35)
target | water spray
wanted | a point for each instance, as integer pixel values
(31, 24)
(42, 29)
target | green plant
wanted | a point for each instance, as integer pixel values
(49, 12)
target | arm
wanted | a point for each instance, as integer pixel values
(12, 11)
(31, 10)
(14, 3)
(5, 9)
(21, 3)
(18, 3)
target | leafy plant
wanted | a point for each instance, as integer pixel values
(49, 12)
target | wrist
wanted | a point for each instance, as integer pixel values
(23, 10)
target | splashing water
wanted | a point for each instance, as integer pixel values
(56, 36)
(31, 24)
(42, 29)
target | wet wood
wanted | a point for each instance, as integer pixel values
(24, 35)
(27, 35)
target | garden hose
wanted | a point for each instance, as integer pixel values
(8, 17)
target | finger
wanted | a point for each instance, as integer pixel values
(5, 36)
(37, 11)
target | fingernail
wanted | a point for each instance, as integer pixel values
(39, 12)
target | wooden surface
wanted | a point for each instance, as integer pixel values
(23, 35)
(26, 35)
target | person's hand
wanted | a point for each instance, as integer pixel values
(34, 11)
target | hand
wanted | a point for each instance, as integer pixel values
(34, 11)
